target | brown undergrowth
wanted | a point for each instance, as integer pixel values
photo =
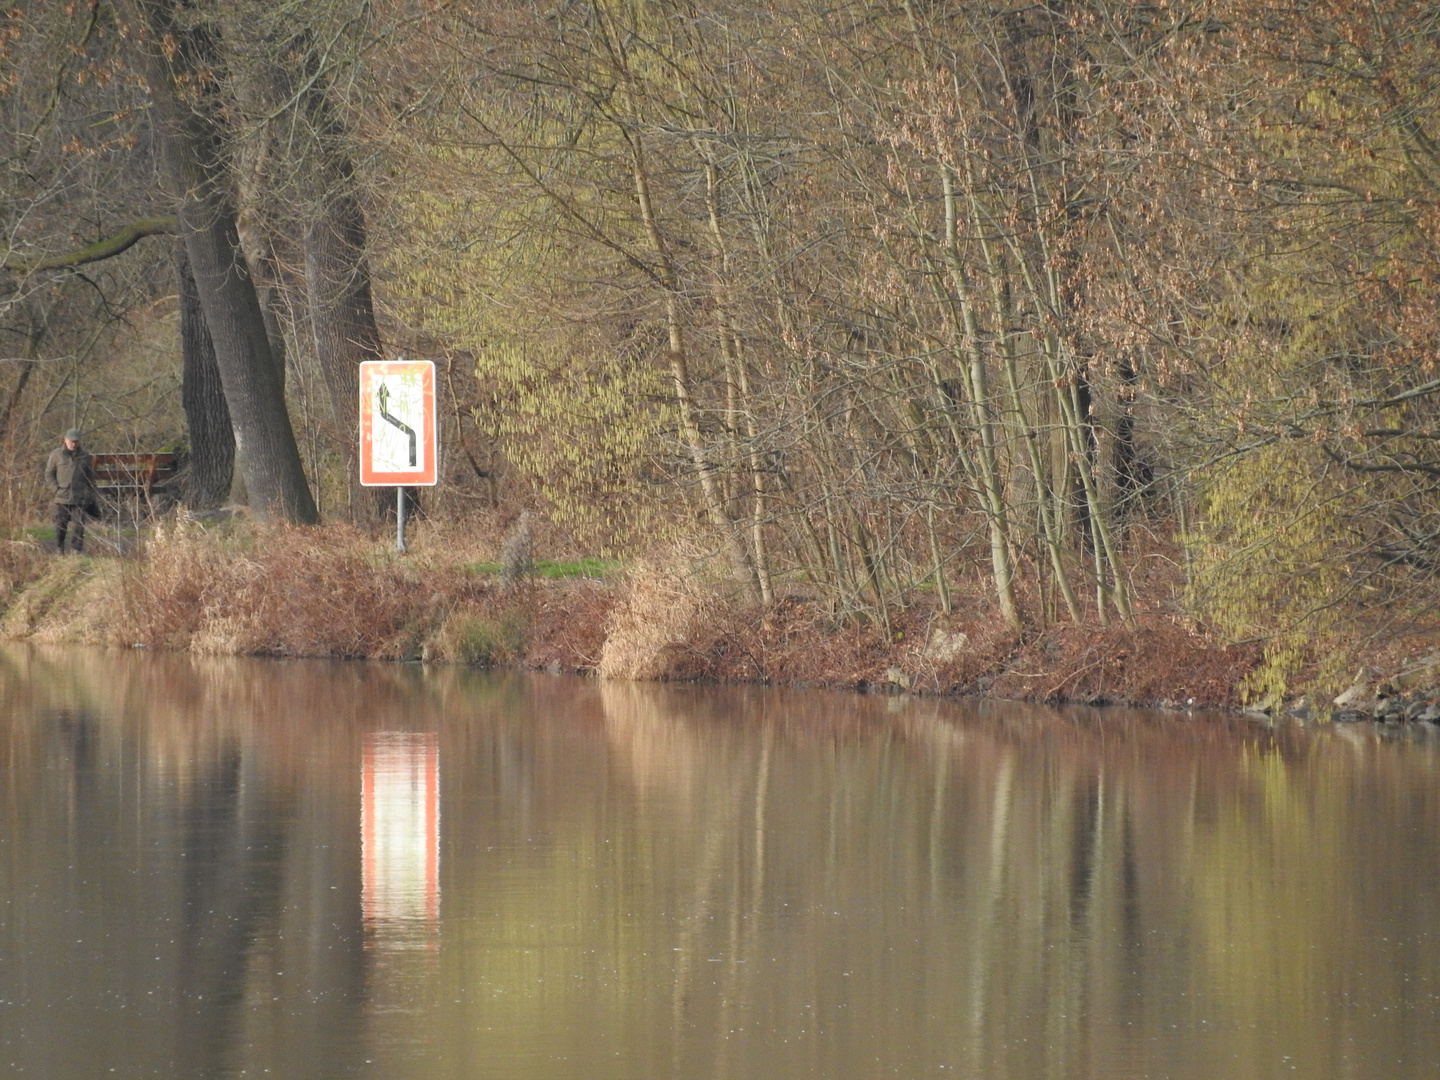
(331, 592)
(21, 562)
(1157, 662)
(798, 642)
(282, 592)
(668, 624)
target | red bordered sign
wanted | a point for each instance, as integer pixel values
(398, 440)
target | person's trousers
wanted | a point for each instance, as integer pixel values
(67, 515)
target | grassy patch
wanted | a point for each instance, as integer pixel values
(489, 641)
(38, 533)
(45, 534)
(574, 568)
(71, 599)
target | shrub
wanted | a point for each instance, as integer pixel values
(664, 605)
(278, 591)
(486, 641)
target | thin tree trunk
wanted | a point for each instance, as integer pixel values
(989, 472)
(710, 483)
(999, 273)
(738, 391)
(1044, 285)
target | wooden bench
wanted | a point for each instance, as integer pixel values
(143, 478)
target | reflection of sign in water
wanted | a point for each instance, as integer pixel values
(397, 422)
(400, 831)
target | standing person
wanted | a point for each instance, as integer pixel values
(71, 474)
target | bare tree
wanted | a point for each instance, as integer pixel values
(180, 60)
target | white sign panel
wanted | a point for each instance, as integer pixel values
(398, 439)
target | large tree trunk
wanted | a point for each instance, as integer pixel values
(190, 150)
(342, 314)
(257, 244)
(212, 439)
(337, 284)
(284, 85)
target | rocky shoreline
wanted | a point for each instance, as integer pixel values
(1422, 707)
(1410, 696)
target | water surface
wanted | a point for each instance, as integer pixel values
(234, 868)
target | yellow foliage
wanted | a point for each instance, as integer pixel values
(1267, 559)
(576, 408)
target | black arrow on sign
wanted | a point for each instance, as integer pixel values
(383, 397)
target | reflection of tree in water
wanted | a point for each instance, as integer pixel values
(246, 996)
(772, 885)
(233, 851)
(183, 846)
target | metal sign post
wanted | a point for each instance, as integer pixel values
(399, 443)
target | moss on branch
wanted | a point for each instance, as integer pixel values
(100, 250)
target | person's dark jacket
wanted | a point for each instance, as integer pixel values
(72, 476)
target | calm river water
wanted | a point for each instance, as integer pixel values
(240, 868)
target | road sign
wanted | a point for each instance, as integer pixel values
(398, 440)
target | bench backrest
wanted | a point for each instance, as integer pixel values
(132, 470)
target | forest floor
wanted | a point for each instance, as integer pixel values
(330, 592)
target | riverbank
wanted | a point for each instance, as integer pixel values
(333, 593)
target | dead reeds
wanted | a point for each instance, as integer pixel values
(279, 591)
(244, 589)
(664, 606)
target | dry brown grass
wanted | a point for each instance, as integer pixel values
(66, 599)
(671, 623)
(1158, 661)
(665, 603)
(285, 592)
(331, 592)
(479, 537)
(791, 641)
(21, 562)
(243, 589)
(474, 539)
(568, 624)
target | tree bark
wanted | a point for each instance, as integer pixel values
(342, 315)
(337, 284)
(176, 55)
(255, 245)
(212, 438)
